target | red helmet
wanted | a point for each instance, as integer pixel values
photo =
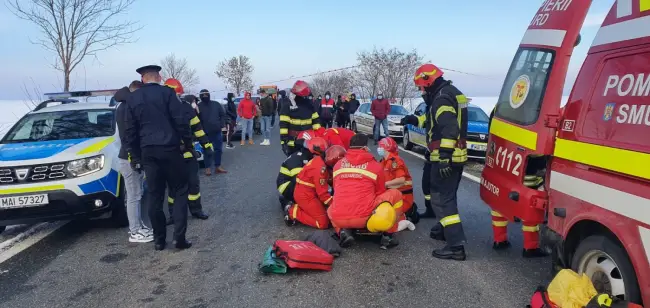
(307, 134)
(316, 145)
(334, 154)
(301, 88)
(176, 85)
(426, 75)
(388, 144)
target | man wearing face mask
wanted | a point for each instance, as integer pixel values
(354, 105)
(214, 120)
(446, 126)
(326, 111)
(380, 108)
(231, 121)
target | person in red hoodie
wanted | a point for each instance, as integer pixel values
(326, 111)
(338, 136)
(361, 200)
(247, 110)
(380, 108)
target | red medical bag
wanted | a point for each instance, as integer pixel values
(303, 254)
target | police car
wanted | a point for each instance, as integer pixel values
(477, 131)
(60, 162)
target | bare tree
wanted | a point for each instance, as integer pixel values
(236, 73)
(337, 83)
(74, 29)
(178, 68)
(387, 71)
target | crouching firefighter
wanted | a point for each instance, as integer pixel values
(190, 157)
(446, 127)
(286, 180)
(361, 200)
(296, 117)
(398, 176)
(311, 195)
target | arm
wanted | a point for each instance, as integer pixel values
(400, 174)
(285, 121)
(222, 114)
(240, 107)
(445, 117)
(320, 183)
(380, 184)
(131, 140)
(373, 107)
(199, 134)
(315, 121)
(180, 116)
(387, 108)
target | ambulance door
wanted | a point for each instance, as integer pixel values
(527, 113)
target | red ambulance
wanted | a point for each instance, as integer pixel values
(591, 162)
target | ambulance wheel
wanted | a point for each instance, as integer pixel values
(119, 217)
(406, 140)
(608, 266)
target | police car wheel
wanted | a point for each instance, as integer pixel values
(406, 140)
(119, 216)
(608, 266)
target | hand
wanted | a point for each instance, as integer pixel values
(409, 119)
(444, 167)
(135, 165)
(208, 151)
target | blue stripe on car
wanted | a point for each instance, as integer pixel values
(35, 150)
(107, 183)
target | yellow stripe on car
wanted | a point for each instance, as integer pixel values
(22, 190)
(613, 159)
(97, 146)
(513, 133)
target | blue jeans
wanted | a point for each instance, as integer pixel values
(217, 143)
(384, 124)
(246, 128)
(266, 127)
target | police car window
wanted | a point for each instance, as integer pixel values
(523, 91)
(62, 125)
(421, 108)
(475, 114)
(398, 110)
(364, 108)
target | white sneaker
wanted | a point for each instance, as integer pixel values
(146, 230)
(267, 142)
(140, 237)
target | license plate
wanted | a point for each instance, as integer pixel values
(23, 201)
(478, 147)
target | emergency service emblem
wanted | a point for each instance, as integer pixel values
(322, 182)
(394, 165)
(519, 91)
(322, 170)
(609, 110)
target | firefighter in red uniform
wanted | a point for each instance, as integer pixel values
(297, 116)
(446, 127)
(398, 177)
(339, 136)
(361, 201)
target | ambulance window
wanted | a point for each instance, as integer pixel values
(523, 91)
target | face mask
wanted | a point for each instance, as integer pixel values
(380, 97)
(205, 98)
(327, 97)
(381, 152)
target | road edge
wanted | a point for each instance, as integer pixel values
(465, 174)
(27, 238)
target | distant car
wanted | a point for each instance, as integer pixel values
(364, 122)
(477, 131)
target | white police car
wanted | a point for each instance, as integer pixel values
(60, 162)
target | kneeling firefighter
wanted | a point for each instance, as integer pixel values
(361, 200)
(446, 126)
(194, 190)
(296, 117)
(286, 180)
(339, 136)
(398, 176)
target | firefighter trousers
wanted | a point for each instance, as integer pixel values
(310, 212)
(500, 231)
(426, 186)
(163, 165)
(194, 190)
(447, 207)
(392, 196)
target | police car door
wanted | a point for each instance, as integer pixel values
(528, 108)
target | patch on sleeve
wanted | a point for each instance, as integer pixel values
(322, 182)
(322, 170)
(394, 165)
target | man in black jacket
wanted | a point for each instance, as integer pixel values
(266, 106)
(214, 119)
(354, 105)
(155, 124)
(231, 122)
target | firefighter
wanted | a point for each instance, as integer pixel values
(361, 200)
(446, 126)
(311, 194)
(286, 180)
(398, 177)
(194, 190)
(157, 129)
(338, 136)
(426, 188)
(296, 117)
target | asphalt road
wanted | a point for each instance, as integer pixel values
(90, 265)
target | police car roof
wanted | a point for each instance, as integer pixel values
(75, 106)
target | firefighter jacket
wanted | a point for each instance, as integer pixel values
(311, 182)
(339, 136)
(358, 180)
(197, 131)
(394, 167)
(446, 124)
(286, 180)
(295, 118)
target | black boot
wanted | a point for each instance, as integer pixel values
(437, 233)
(413, 215)
(534, 253)
(450, 253)
(428, 213)
(287, 219)
(160, 246)
(345, 238)
(184, 244)
(200, 215)
(387, 241)
(500, 245)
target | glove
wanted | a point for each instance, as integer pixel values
(444, 167)
(409, 119)
(208, 150)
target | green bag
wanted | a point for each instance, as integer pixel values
(272, 264)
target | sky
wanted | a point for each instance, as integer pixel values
(292, 38)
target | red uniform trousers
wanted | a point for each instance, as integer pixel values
(500, 230)
(392, 196)
(310, 212)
